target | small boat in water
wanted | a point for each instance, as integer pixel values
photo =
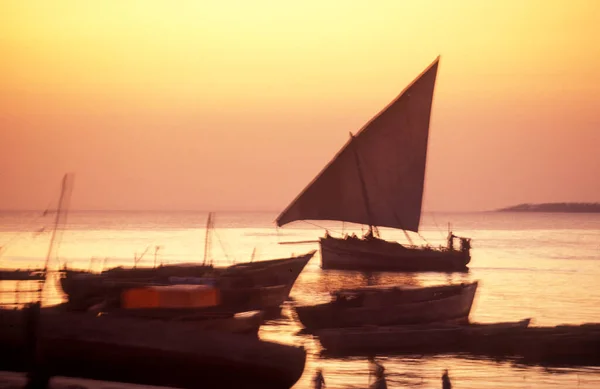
(434, 338)
(382, 306)
(262, 285)
(377, 180)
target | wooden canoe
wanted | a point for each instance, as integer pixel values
(436, 338)
(339, 314)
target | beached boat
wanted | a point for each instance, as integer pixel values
(377, 180)
(148, 352)
(390, 306)
(436, 338)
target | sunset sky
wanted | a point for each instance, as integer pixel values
(237, 105)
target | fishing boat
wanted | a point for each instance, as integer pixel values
(562, 345)
(204, 305)
(148, 352)
(255, 286)
(259, 284)
(435, 338)
(377, 180)
(374, 307)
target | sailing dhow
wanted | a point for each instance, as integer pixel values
(377, 179)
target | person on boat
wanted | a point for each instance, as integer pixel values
(465, 244)
(446, 380)
(450, 241)
(319, 380)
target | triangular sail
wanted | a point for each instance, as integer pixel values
(384, 162)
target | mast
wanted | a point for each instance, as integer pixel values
(65, 195)
(207, 240)
(362, 183)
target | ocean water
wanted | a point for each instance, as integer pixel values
(542, 266)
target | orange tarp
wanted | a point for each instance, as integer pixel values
(173, 296)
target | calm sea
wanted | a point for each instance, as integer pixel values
(543, 266)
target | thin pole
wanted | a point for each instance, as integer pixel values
(363, 185)
(207, 237)
(62, 199)
(56, 220)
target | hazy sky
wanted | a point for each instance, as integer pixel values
(237, 105)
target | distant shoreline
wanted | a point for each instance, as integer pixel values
(554, 207)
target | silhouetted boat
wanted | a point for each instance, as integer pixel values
(411, 339)
(148, 352)
(244, 287)
(391, 306)
(377, 179)
(563, 345)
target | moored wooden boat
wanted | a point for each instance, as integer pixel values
(385, 295)
(380, 255)
(410, 339)
(232, 300)
(256, 283)
(564, 345)
(149, 352)
(389, 307)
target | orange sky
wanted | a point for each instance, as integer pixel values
(237, 105)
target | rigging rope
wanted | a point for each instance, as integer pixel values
(436, 225)
(326, 229)
(223, 246)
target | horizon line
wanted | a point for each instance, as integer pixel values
(205, 211)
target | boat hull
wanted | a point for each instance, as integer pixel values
(379, 255)
(413, 339)
(149, 352)
(244, 287)
(455, 308)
